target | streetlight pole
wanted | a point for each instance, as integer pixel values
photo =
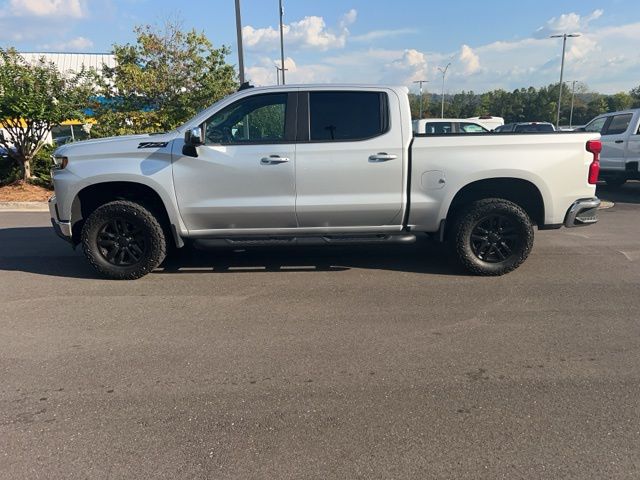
(278, 69)
(281, 43)
(573, 95)
(444, 73)
(564, 37)
(239, 34)
(420, 82)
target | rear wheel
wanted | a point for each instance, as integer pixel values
(123, 240)
(492, 236)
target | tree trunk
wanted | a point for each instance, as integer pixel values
(26, 168)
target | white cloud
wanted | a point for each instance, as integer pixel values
(470, 60)
(311, 33)
(264, 72)
(78, 44)
(568, 23)
(411, 66)
(378, 34)
(48, 8)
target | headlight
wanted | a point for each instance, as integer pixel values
(59, 162)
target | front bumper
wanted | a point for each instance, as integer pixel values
(582, 213)
(62, 229)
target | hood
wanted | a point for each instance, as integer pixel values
(117, 145)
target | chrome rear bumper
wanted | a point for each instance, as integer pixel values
(582, 213)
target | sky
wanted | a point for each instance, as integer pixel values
(490, 44)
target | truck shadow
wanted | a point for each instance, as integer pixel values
(628, 193)
(425, 256)
(37, 250)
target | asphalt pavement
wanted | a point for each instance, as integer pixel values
(338, 362)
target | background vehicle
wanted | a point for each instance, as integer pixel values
(620, 145)
(526, 127)
(439, 126)
(487, 121)
(318, 164)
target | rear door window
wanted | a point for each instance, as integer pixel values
(438, 128)
(343, 116)
(619, 124)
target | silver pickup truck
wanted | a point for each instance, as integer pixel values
(620, 145)
(319, 164)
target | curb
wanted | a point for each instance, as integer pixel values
(24, 207)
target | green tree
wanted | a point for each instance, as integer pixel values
(619, 101)
(33, 98)
(635, 96)
(162, 80)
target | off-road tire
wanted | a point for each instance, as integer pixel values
(149, 233)
(514, 244)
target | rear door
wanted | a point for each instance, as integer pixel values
(349, 165)
(613, 142)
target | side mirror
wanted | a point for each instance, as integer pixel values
(193, 137)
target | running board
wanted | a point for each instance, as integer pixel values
(305, 240)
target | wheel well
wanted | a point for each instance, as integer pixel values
(93, 196)
(521, 192)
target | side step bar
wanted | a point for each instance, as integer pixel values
(305, 240)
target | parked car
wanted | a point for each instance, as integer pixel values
(487, 121)
(526, 127)
(318, 165)
(443, 126)
(620, 145)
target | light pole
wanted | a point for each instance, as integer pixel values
(420, 82)
(444, 73)
(573, 95)
(564, 37)
(239, 34)
(281, 43)
(278, 74)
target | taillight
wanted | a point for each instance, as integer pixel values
(595, 147)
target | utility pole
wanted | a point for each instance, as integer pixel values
(281, 43)
(420, 82)
(239, 34)
(444, 73)
(564, 37)
(573, 95)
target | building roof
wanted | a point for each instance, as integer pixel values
(74, 62)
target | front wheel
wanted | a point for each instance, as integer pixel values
(123, 240)
(492, 236)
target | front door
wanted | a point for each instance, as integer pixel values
(244, 175)
(349, 165)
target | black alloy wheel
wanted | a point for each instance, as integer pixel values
(495, 238)
(122, 242)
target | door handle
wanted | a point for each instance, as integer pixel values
(273, 160)
(382, 157)
(619, 141)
